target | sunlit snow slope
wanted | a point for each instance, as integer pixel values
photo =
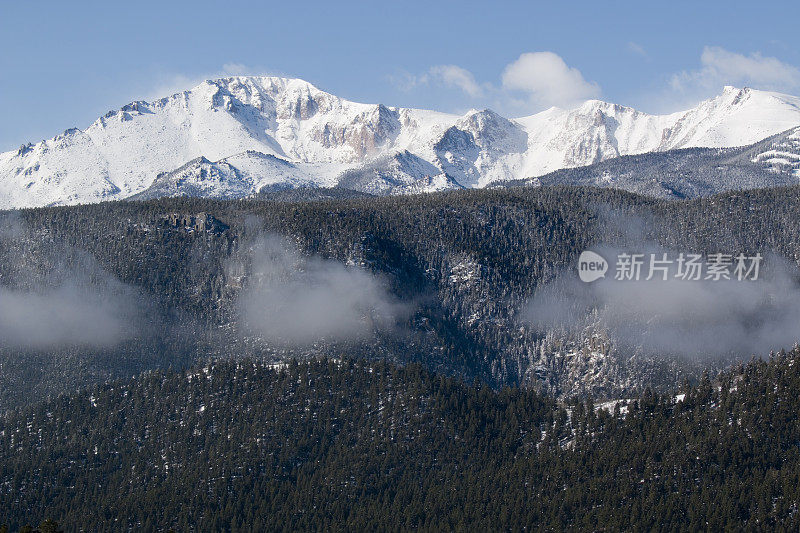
(233, 137)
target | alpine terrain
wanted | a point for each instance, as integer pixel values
(238, 136)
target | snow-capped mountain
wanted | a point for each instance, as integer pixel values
(236, 136)
(688, 172)
(236, 176)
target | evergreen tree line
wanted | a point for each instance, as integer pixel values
(468, 260)
(354, 445)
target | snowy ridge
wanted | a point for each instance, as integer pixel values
(783, 154)
(232, 137)
(237, 176)
(688, 173)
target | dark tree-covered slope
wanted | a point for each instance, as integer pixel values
(466, 263)
(346, 445)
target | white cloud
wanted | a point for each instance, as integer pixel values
(403, 80)
(723, 67)
(638, 49)
(533, 82)
(455, 76)
(237, 69)
(547, 80)
(295, 299)
(451, 76)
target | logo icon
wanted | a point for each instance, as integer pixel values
(591, 266)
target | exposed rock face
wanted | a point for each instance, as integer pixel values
(200, 222)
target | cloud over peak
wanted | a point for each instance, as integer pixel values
(723, 67)
(547, 80)
(532, 82)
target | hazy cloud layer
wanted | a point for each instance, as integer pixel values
(76, 305)
(295, 299)
(722, 67)
(532, 82)
(541, 79)
(60, 296)
(448, 76)
(69, 315)
(691, 318)
(455, 76)
(637, 49)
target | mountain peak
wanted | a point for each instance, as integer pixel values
(591, 106)
(269, 84)
(318, 139)
(266, 81)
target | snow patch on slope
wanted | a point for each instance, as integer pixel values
(782, 155)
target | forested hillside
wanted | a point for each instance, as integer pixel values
(342, 445)
(461, 265)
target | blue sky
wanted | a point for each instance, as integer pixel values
(63, 64)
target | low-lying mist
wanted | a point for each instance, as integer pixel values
(66, 315)
(62, 299)
(298, 300)
(698, 319)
